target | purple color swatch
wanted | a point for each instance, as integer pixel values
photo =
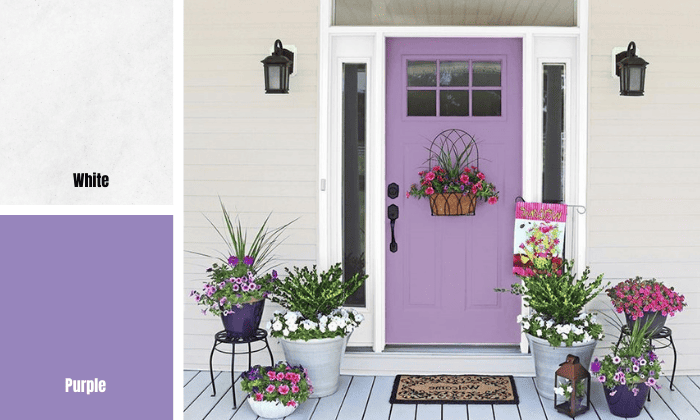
(87, 297)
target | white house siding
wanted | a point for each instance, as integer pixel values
(257, 152)
(644, 157)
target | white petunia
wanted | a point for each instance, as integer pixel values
(519, 319)
(526, 325)
(277, 326)
(539, 333)
(293, 327)
(332, 326)
(285, 332)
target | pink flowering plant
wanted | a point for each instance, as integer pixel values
(283, 383)
(453, 174)
(637, 296)
(632, 363)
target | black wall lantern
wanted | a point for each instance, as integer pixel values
(278, 67)
(631, 70)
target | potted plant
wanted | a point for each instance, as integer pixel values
(648, 300)
(453, 184)
(629, 372)
(557, 324)
(314, 328)
(238, 283)
(566, 388)
(276, 391)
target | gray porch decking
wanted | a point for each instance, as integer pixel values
(367, 397)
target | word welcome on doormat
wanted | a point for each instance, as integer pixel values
(454, 389)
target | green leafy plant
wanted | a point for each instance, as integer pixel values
(557, 300)
(313, 304)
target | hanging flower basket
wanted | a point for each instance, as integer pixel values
(452, 204)
(452, 181)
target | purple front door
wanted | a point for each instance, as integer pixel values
(440, 280)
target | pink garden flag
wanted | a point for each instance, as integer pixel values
(539, 232)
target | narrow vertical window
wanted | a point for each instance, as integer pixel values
(354, 170)
(553, 134)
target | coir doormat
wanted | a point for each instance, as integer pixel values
(454, 389)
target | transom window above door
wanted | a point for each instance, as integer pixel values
(453, 88)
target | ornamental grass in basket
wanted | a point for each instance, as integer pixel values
(453, 174)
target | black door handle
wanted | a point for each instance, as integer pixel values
(393, 213)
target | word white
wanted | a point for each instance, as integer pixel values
(86, 386)
(87, 180)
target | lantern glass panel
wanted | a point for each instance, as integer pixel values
(635, 78)
(274, 77)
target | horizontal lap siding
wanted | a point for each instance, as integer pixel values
(644, 158)
(257, 152)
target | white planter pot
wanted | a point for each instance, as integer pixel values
(321, 357)
(270, 409)
(548, 359)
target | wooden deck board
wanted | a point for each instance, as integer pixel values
(356, 398)
(530, 406)
(454, 412)
(367, 397)
(678, 403)
(378, 406)
(429, 412)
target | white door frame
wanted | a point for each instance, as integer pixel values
(340, 44)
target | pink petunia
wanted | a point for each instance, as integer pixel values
(283, 389)
(292, 403)
(429, 191)
(481, 176)
(430, 176)
(258, 397)
(272, 375)
(464, 178)
(280, 376)
(295, 389)
(270, 389)
(493, 200)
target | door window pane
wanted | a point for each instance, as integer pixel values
(486, 103)
(354, 170)
(454, 103)
(487, 73)
(454, 73)
(422, 73)
(553, 134)
(421, 103)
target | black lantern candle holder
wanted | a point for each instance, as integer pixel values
(579, 380)
(632, 70)
(278, 67)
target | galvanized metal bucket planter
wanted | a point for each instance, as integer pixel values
(548, 358)
(321, 357)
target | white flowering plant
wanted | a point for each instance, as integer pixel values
(582, 329)
(313, 303)
(293, 325)
(566, 388)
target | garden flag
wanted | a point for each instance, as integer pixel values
(539, 232)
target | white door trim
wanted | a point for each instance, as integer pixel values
(330, 161)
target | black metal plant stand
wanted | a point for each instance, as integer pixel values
(664, 333)
(222, 338)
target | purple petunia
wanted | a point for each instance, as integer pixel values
(233, 260)
(595, 366)
(248, 260)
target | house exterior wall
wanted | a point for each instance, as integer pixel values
(257, 152)
(644, 157)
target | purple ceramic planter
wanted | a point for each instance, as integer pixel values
(624, 403)
(244, 321)
(657, 322)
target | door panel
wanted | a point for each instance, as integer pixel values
(440, 281)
